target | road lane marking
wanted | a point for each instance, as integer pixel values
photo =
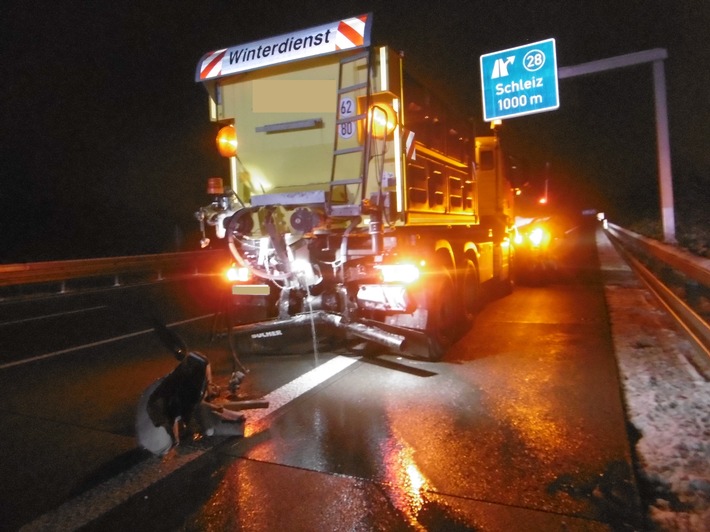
(95, 344)
(290, 391)
(55, 315)
(94, 503)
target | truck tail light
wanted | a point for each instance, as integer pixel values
(227, 141)
(237, 274)
(399, 273)
(215, 186)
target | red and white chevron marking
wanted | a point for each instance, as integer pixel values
(351, 33)
(212, 65)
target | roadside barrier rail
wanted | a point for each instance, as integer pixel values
(679, 278)
(59, 276)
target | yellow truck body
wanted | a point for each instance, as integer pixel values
(348, 162)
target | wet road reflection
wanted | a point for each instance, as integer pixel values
(403, 479)
(521, 423)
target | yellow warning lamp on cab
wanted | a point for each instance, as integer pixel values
(227, 141)
(382, 119)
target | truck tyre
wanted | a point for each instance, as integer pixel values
(507, 285)
(471, 301)
(443, 317)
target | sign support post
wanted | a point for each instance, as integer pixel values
(665, 176)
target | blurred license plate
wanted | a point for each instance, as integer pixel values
(250, 289)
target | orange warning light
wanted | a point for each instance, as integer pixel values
(227, 141)
(382, 119)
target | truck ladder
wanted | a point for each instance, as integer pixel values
(339, 185)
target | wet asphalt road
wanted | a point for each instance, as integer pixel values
(521, 427)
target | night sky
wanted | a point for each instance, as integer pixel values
(106, 142)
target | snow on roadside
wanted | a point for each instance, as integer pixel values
(667, 400)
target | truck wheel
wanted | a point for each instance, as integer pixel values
(443, 317)
(471, 297)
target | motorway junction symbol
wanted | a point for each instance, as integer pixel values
(519, 81)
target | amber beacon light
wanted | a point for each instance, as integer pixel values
(383, 120)
(227, 141)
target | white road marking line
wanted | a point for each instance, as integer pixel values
(55, 315)
(94, 344)
(290, 391)
(91, 505)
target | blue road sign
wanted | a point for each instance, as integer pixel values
(520, 81)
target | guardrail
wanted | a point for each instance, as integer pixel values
(59, 276)
(679, 278)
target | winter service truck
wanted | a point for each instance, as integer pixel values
(358, 203)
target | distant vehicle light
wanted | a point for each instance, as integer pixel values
(399, 273)
(227, 141)
(536, 236)
(238, 274)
